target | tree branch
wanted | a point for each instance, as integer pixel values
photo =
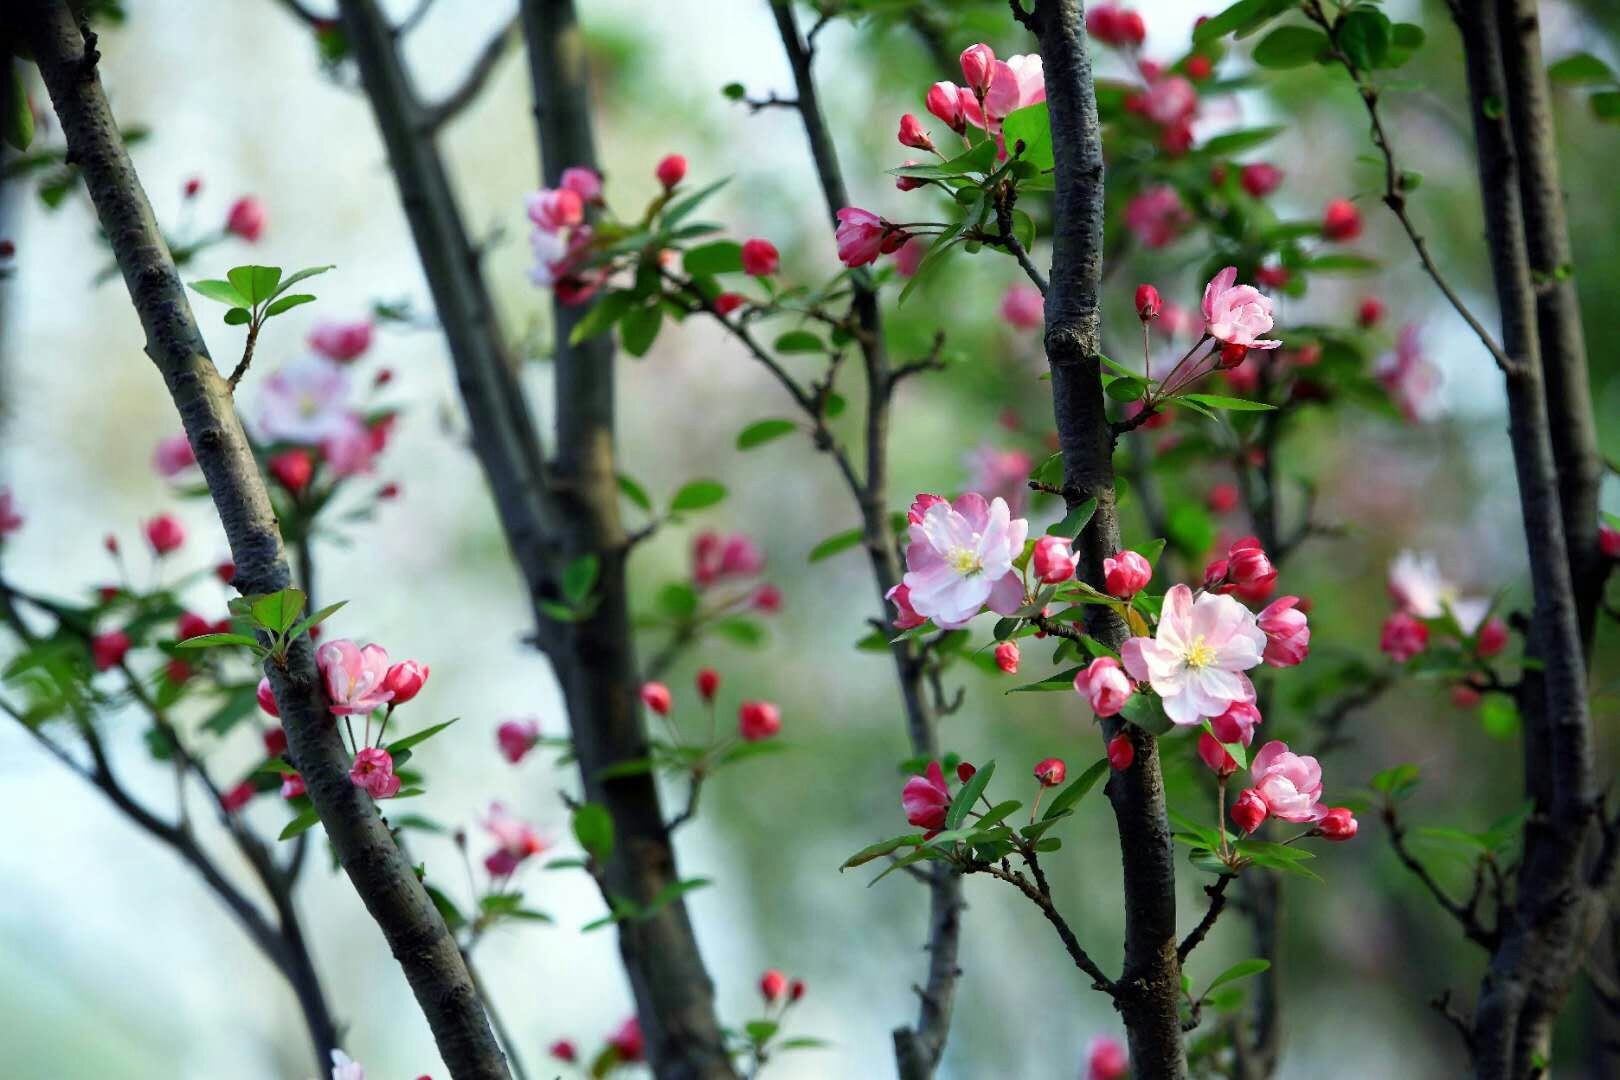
(1082, 960)
(472, 84)
(1217, 904)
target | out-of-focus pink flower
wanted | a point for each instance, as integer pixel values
(741, 557)
(246, 218)
(1341, 220)
(341, 342)
(554, 209)
(671, 170)
(759, 257)
(1222, 498)
(1403, 637)
(108, 648)
(581, 181)
(1170, 100)
(165, 533)
(563, 1050)
(1007, 657)
(960, 558)
(1105, 1056)
(1608, 537)
(1001, 472)
(1412, 380)
(1197, 659)
(515, 841)
(293, 469)
(267, 698)
(1260, 179)
(1237, 314)
(1418, 587)
(1049, 772)
(1023, 307)
(191, 625)
(758, 720)
(373, 769)
(627, 1041)
(237, 797)
(1156, 216)
(656, 696)
(275, 741)
(1053, 560)
(1370, 312)
(726, 303)
(354, 676)
(1104, 685)
(905, 617)
(766, 599)
(909, 256)
(225, 571)
(292, 786)
(516, 738)
(1214, 755)
(926, 798)
(1121, 752)
(1126, 573)
(1249, 810)
(192, 186)
(10, 520)
(404, 680)
(1338, 825)
(1288, 633)
(944, 100)
(173, 456)
(305, 401)
(351, 450)
(1290, 783)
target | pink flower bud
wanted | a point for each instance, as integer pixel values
(1237, 723)
(1222, 498)
(1609, 541)
(671, 170)
(1288, 633)
(926, 798)
(978, 68)
(1104, 685)
(516, 738)
(1121, 752)
(1248, 567)
(237, 797)
(860, 235)
(913, 134)
(173, 456)
(342, 342)
(1007, 657)
(1050, 771)
(1215, 756)
(726, 303)
(772, 985)
(581, 181)
(708, 683)
(655, 695)
(1053, 560)
(193, 186)
(796, 990)
(944, 100)
(766, 599)
(373, 769)
(905, 618)
(1260, 179)
(292, 786)
(1231, 355)
(628, 1041)
(1023, 307)
(164, 533)
(246, 218)
(1403, 637)
(293, 469)
(1126, 573)
(1105, 1057)
(909, 183)
(267, 699)
(108, 649)
(1249, 810)
(275, 741)
(1493, 638)
(740, 556)
(965, 771)
(1370, 313)
(757, 720)
(760, 258)
(405, 679)
(555, 209)
(1338, 826)
(1148, 304)
(1341, 220)
(563, 1050)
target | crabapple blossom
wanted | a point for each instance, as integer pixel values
(1016, 83)
(1341, 220)
(913, 134)
(1214, 755)
(515, 841)
(759, 257)
(582, 181)
(655, 695)
(1104, 685)
(1196, 661)
(553, 209)
(772, 985)
(354, 676)
(292, 469)
(404, 680)
(757, 720)
(563, 1050)
(708, 683)
(861, 236)
(1007, 657)
(1053, 560)
(237, 797)
(1050, 771)
(341, 342)
(1370, 312)
(766, 599)
(1288, 633)
(165, 533)
(1023, 307)
(965, 771)
(1247, 570)
(107, 649)
(1126, 573)
(960, 558)
(726, 303)
(1170, 100)
(292, 786)
(267, 698)
(350, 451)
(1236, 724)
(1419, 588)
(1156, 216)
(373, 769)
(1260, 178)
(671, 170)
(1290, 784)
(1237, 314)
(1105, 1056)
(173, 456)
(905, 616)
(945, 102)
(998, 471)
(978, 68)
(909, 183)
(246, 218)
(1337, 825)
(1410, 377)
(516, 738)
(1148, 304)
(1222, 498)
(1403, 637)
(305, 401)
(1249, 810)
(1121, 752)
(925, 798)
(627, 1042)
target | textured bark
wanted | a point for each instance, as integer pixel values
(918, 1048)
(595, 658)
(1150, 983)
(1544, 934)
(381, 875)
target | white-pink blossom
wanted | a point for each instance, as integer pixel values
(1237, 314)
(960, 558)
(1419, 588)
(1197, 659)
(354, 676)
(305, 401)
(1411, 378)
(1291, 784)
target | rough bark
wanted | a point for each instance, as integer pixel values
(1150, 983)
(918, 1048)
(383, 878)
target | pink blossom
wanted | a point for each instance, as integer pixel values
(351, 450)
(305, 401)
(1260, 179)
(1237, 723)
(515, 841)
(978, 67)
(1177, 321)
(860, 235)
(1338, 825)
(741, 557)
(1237, 314)
(238, 797)
(373, 769)
(553, 209)
(758, 720)
(10, 520)
(292, 786)
(627, 1042)
(346, 1068)
(1250, 810)
(1017, 83)
(1419, 588)
(1410, 378)
(1023, 307)
(1170, 100)
(656, 696)
(341, 342)
(909, 256)
(960, 558)
(1049, 772)
(405, 680)
(766, 599)
(1106, 1059)
(905, 617)
(1054, 560)
(354, 676)
(1001, 472)
(165, 534)
(1291, 784)
(671, 170)
(107, 649)
(267, 698)
(173, 456)
(516, 738)
(246, 218)
(944, 100)
(1402, 637)
(913, 134)
(1341, 220)
(926, 798)
(581, 181)
(1156, 216)
(1197, 659)
(1214, 755)
(1288, 634)
(919, 507)
(1007, 657)
(1104, 686)
(1126, 573)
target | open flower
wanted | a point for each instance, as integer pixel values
(373, 769)
(1419, 588)
(305, 401)
(960, 558)
(1411, 378)
(355, 677)
(1237, 314)
(1290, 784)
(1196, 661)
(926, 798)
(516, 840)
(862, 236)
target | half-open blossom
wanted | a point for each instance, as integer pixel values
(1104, 686)
(1196, 661)
(108, 648)
(926, 798)
(1214, 755)
(305, 401)
(905, 616)
(173, 456)
(772, 985)
(1419, 588)
(1410, 377)
(1156, 216)
(1126, 573)
(354, 676)
(627, 1041)
(584, 182)
(1290, 783)
(978, 67)
(1249, 810)
(515, 841)
(1338, 825)
(1023, 307)
(1007, 657)
(1237, 723)
(293, 469)
(960, 558)
(1016, 83)
(655, 695)
(759, 257)
(1237, 314)
(861, 235)
(267, 698)
(1341, 220)
(1260, 179)
(945, 102)
(165, 533)
(404, 680)
(1121, 752)
(373, 769)
(1288, 633)
(671, 170)
(757, 720)
(246, 218)
(553, 209)
(516, 738)
(1105, 1057)
(1054, 559)
(1246, 570)
(1050, 771)
(1402, 637)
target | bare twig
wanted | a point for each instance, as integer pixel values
(1217, 904)
(1077, 953)
(472, 84)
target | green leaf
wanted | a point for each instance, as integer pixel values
(678, 600)
(1606, 106)
(416, 739)
(1580, 68)
(249, 281)
(837, 542)
(1237, 142)
(593, 828)
(761, 432)
(279, 610)
(760, 1031)
(638, 329)
(1239, 971)
(741, 631)
(697, 495)
(1074, 521)
(1397, 781)
(1365, 36)
(1076, 789)
(307, 272)
(968, 795)
(1032, 126)
(19, 121)
(453, 918)
(607, 310)
(1291, 47)
(1237, 751)
(1215, 401)
(799, 341)
(880, 849)
(1123, 389)
(299, 824)
(286, 303)
(1343, 262)
(579, 577)
(678, 211)
(222, 291)
(995, 814)
(1063, 680)
(715, 257)
(209, 641)
(1242, 18)
(634, 492)
(238, 316)
(316, 619)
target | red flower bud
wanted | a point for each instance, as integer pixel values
(225, 571)
(1250, 810)
(1121, 752)
(1215, 756)
(965, 771)
(772, 985)
(165, 534)
(1232, 355)
(655, 695)
(107, 649)
(760, 258)
(708, 682)
(913, 134)
(1339, 825)
(1370, 312)
(1007, 657)
(758, 720)
(238, 797)
(796, 990)
(1199, 67)
(563, 1050)
(1341, 220)
(275, 742)
(293, 469)
(1260, 179)
(1050, 771)
(267, 698)
(671, 170)
(1148, 304)
(726, 303)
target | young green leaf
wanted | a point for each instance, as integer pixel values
(697, 495)
(1076, 789)
(593, 828)
(416, 739)
(279, 610)
(968, 795)
(222, 291)
(761, 432)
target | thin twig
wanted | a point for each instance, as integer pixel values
(436, 116)
(1217, 904)
(1467, 915)
(1077, 953)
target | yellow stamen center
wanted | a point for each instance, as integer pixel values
(1199, 655)
(965, 561)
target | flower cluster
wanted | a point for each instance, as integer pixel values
(562, 237)
(359, 682)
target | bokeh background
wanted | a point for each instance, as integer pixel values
(118, 963)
